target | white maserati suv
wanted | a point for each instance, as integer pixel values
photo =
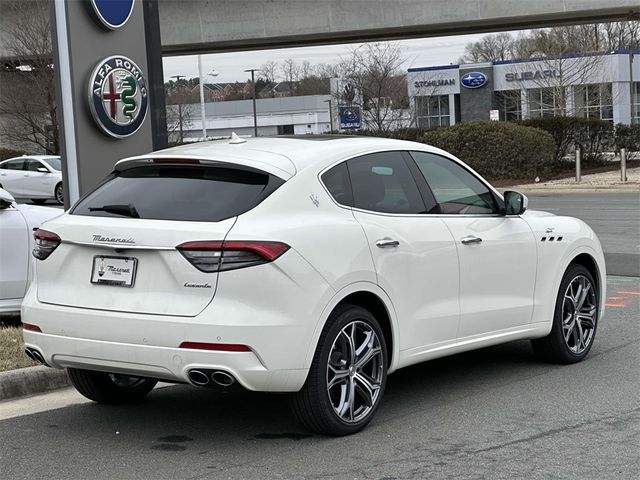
(314, 265)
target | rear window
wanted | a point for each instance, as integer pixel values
(183, 193)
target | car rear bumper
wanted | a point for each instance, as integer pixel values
(149, 345)
(172, 364)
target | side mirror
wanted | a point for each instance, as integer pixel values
(6, 199)
(42, 170)
(515, 203)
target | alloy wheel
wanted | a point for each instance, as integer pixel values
(355, 371)
(59, 194)
(579, 313)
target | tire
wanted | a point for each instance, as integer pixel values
(109, 388)
(39, 201)
(574, 329)
(58, 194)
(358, 382)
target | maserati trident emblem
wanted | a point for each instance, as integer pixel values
(118, 96)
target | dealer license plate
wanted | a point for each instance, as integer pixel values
(118, 271)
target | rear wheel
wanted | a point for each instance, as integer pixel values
(575, 319)
(59, 194)
(108, 387)
(347, 376)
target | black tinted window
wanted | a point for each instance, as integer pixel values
(382, 182)
(13, 165)
(33, 165)
(456, 190)
(164, 192)
(337, 182)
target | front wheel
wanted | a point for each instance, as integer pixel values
(575, 319)
(110, 388)
(59, 194)
(347, 377)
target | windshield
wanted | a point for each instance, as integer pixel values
(54, 162)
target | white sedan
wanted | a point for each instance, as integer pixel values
(16, 242)
(313, 265)
(38, 177)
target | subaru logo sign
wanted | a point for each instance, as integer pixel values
(113, 13)
(473, 80)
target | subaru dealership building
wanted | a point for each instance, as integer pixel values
(604, 86)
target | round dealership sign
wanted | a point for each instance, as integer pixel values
(113, 13)
(118, 96)
(473, 80)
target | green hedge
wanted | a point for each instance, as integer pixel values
(593, 136)
(628, 136)
(498, 150)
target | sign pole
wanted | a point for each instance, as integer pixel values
(66, 125)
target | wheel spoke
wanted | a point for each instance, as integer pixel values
(339, 377)
(366, 388)
(586, 321)
(370, 355)
(583, 297)
(579, 337)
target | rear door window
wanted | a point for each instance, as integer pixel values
(183, 193)
(382, 182)
(13, 165)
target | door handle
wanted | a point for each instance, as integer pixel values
(470, 239)
(387, 243)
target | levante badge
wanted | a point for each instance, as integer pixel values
(118, 96)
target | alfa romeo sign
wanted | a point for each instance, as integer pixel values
(118, 96)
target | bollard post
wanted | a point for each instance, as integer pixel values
(623, 164)
(578, 164)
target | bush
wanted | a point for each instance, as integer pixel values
(591, 135)
(9, 153)
(497, 150)
(627, 136)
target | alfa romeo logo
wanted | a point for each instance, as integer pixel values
(118, 96)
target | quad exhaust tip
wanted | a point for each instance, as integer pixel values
(35, 355)
(210, 378)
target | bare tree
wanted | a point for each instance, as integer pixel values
(27, 90)
(290, 73)
(269, 71)
(375, 70)
(489, 48)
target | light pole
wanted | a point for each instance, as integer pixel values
(253, 83)
(330, 116)
(178, 77)
(212, 73)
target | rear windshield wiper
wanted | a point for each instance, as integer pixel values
(126, 210)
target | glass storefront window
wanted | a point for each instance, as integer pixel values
(594, 101)
(433, 111)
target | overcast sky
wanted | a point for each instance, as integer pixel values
(422, 52)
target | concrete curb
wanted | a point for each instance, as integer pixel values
(31, 380)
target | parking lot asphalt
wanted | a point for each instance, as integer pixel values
(494, 413)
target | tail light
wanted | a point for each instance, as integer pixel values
(216, 256)
(46, 243)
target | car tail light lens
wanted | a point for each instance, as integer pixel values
(220, 347)
(31, 328)
(216, 256)
(46, 243)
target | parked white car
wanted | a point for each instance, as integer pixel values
(37, 177)
(17, 223)
(310, 265)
